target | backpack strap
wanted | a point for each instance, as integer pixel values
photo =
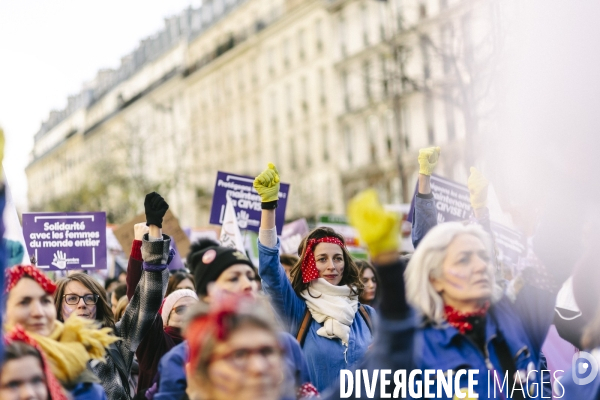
(305, 325)
(363, 312)
(303, 330)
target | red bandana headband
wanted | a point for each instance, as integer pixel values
(309, 266)
(462, 320)
(15, 274)
(54, 388)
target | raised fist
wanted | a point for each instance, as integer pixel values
(156, 207)
(267, 184)
(376, 226)
(428, 158)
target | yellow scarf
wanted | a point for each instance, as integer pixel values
(71, 345)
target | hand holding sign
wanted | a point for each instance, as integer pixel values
(267, 184)
(377, 227)
(155, 207)
(428, 158)
(478, 189)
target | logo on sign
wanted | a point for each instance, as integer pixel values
(60, 260)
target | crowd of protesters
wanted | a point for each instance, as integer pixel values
(224, 328)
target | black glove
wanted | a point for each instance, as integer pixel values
(156, 207)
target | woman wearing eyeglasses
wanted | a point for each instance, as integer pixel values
(81, 295)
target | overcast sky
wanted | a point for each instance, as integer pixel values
(49, 48)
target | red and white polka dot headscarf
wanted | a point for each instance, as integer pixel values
(17, 272)
(55, 389)
(309, 266)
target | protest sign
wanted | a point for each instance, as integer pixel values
(453, 204)
(170, 226)
(246, 201)
(62, 241)
(292, 234)
(451, 200)
(511, 244)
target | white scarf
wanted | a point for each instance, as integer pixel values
(333, 306)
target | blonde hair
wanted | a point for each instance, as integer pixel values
(426, 263)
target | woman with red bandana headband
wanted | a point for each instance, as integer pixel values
(68, 346)
(320, 305)
(26, 373)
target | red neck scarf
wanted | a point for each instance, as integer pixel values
(17, 272)
(54, 388)
(461, 320)
(309, 266)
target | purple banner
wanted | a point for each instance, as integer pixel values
(453, 203)
(62, 241)
(451, 200)
(246, 201)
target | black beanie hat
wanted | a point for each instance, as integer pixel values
(208, 264)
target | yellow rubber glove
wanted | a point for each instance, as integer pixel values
(478, 189)
(377, 227)
(267, 184)
(428, 158)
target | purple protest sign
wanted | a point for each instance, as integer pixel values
(246, 201)
(451, 200)
(62, 241)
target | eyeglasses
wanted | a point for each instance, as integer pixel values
(240, 358)
(73, 299)
(180, 310)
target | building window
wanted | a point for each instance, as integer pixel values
(322, 88)
(288, 102)
(293, 163)
(423, 41)
(304, 94)
(345, 89)
(343, 47)
(365, 24)
(319, 34)
(349, 142)
(271, 61)
(308, 150)
(286, 53)
(399, 16)
(301, 48)
(371, 125)
(422, 10)
(367, 78)
(384, 77)
(324, 135)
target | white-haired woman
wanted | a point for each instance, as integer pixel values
(467, 323)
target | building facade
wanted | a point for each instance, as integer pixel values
(339, 94)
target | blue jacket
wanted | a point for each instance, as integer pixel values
(173, 382)
(88, 391)
(522, 327)
(326, 357)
